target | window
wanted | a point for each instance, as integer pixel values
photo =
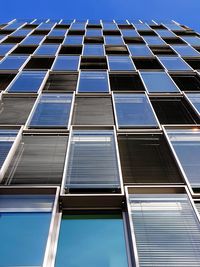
(73, 40)
(57, 32)
(53, 40)
(93, 82)
(47, 50)
(5, 79)
(173, 40)
(189, 82)
(126, 82)
(165, 33)
(195, 100)
(134, 110)
(21, 32)
(93, 32)
(174, 63)
(133, 40)
(109, 26)
(93, 50)
(140, 51)
(93, 40)
(173, 26)
(11, 40)
(186, 51)
(129, 33)
(70, 50)
(192, 40)
(27, 82)
(116, 50)
(147, 63)
(102, 234)
(66, 63)
(92, 163)
(61, 82)
(39, 63)
(77, 26)
(5, 48)
(174, 110)
(142, 26)
(162, 221)
(93, 111)
(163, 50)
(52, 110)
(159, 82)
(114, 40)
(120, 63)
(24, 50)
(12, 62)
(194, 63)
(154, 40)
(33, 40)
(25, 230)
(146, 158)
(39, 160)
(93, 63)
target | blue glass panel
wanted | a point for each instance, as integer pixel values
(93, 32)
(195, 99)
(66, 63)
(12, 62)
(73, 40)
(32, 40)
(173, 26)
(47, 50)
(154, 40)
(4, 48)
(134, 110)
(129, 33)
(186, 51)
(142, 27)
(174, 63)
(91, 240)
(120, 63)
(193, 40)
(52, 110)
(27, 82)
(57, 32)
(93, 82)
(114, 40)
(77, 26)
(165, 33)
(159, 82)
(109, 26)
(46, 26)
(93, 50)
(24, 238)
(139, 50)
(14, 25)
(21, 32)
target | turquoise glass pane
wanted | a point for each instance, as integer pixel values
(23, 238)
(92, 241)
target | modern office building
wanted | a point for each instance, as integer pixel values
(99, 144)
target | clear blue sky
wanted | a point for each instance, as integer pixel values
(184, 11)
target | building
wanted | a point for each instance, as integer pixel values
(100, 144)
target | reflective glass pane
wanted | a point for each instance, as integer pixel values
(195, 99)
(93, 50)
(98, 239)
(92, 32)
(166, 230)
(14, 25)
(154, 40)
(129, 33)
(21, 32)
(93, 82)
(27, 82)
(186, 51)
(120, 63)
(112, 40)
(173, 26)
(77, 26)
(12, 62)
(186, 144)
(57, 32)
(142, 27)
(159, 82)
(140, 50)
(109, 26)
(134, 110)
(192, 40)
(52, 110)
(47, 50)
(32, 40)
(5, 48)
(92, 162)
(174, 63)
(73, 40)
(45, 26)
(165, 33)
(66, 63)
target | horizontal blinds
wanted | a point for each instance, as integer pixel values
(92, 160)
(166, 229)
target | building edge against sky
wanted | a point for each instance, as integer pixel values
(100, 143)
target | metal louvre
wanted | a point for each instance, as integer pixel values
(39, 160)
(166, 229)
(15, 110)
(93, 111)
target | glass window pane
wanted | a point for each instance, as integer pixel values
(73, 40)
(142, 27)
(109, 26)
(173, 26)
(47, 50)
(21, 32)
(186, 144)
(165, 33)
(195, 100)
(114, 40)
(139, 50)
(154, 40)
(120, 63)
(77, 26)
(129, 33)
(186, 51)
(32, 40)
(166, 229)
(159, 82)
(93, 50)
(92, 32)
(192, 40)
(14, 25)
(93, 82)
(12, 62)
(174, 63)
(5, 48)
(66, 63)
(92, 162)
(134, 110)
(46, 26)
(27, 82)
(57, 32)
(98, 239)
(52, 110)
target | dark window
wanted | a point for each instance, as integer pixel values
(147, 33)
(194, 63)
(5, 79)
(165, 50)
(39, 63)
(61, 82)
(76, 32)
(146, 158)
(38, 160)
(24, 50)
(189, 82)
(93, 40)
(70, 50)
(115, 50)
(40, 32)
(126, 82)
(134, 40)
(174, 110)
(111, 32)
(173, 40)
(93, 111)
(53, 40)
(158, 27)
(12, 40)
(147, 63)
(93, 63)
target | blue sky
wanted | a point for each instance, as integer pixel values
(184, 11)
